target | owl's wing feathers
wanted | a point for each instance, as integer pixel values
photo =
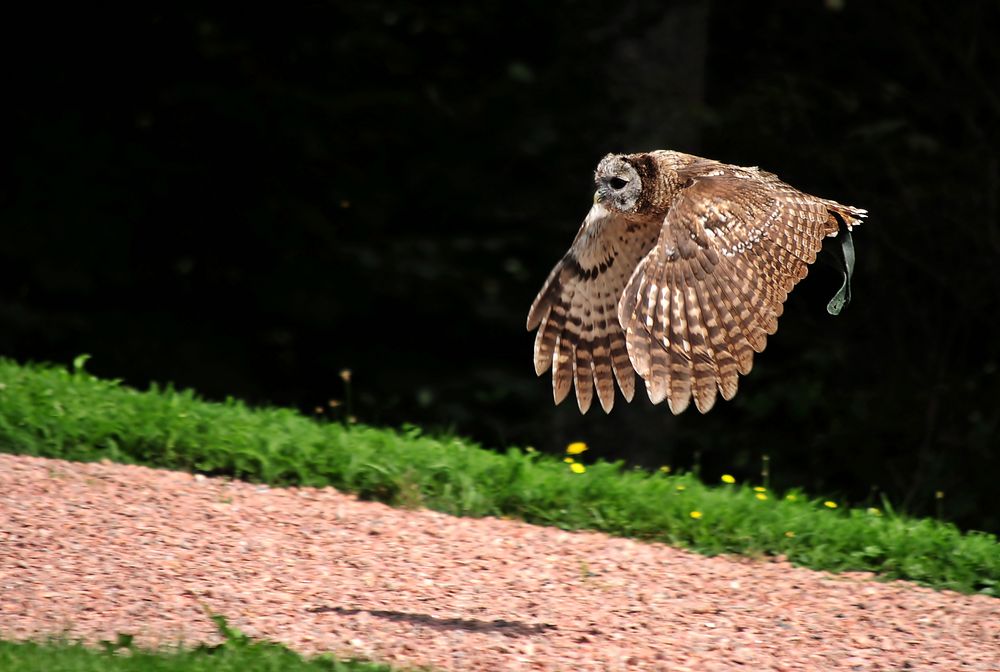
(576, 312)
(711, 289)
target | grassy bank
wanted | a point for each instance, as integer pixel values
(237, 653)
(52, 412)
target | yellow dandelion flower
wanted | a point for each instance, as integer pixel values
(830, 505)
(568, 460)
(696, 515)
(760, 489)
(761, 496)
(665, 469)
(728, 478)
(789, 534)
(576, 448)
(577, 468)
(681, 488)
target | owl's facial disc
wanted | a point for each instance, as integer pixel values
(618, 183)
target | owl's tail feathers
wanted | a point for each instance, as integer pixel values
(850, 215)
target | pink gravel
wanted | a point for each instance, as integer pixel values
(92, 550)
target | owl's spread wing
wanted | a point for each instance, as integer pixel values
(711, 289)
(579, 335)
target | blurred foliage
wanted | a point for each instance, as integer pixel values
(248, 200)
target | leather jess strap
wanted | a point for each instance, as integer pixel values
(846, 258)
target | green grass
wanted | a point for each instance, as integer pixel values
(237, 653)
(72, 415)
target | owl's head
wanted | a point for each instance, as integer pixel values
(618, 183)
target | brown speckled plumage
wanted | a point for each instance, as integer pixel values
(679, 273)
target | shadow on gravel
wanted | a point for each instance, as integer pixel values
(511, 628)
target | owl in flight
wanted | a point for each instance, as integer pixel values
(679, 273)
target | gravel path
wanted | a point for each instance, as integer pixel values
(97, 549)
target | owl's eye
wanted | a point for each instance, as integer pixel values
(617, 183)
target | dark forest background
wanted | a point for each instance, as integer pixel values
(247, 199)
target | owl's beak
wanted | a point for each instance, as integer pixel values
(598, 197)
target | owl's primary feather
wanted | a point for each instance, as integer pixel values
(679, 273)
